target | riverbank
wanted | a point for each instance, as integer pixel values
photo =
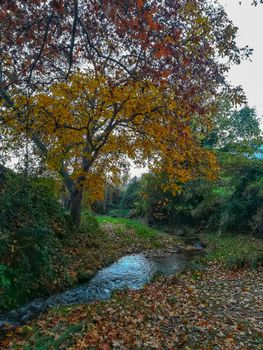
(89, 252)
(217, 309)
(213, 306)
(83, 253)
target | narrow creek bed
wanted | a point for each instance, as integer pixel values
(131, 271)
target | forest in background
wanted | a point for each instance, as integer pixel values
(231, 203)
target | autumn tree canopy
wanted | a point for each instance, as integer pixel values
(46, 40)
(155, 70)
(90, 129)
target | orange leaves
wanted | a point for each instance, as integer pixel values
(140, 4)
(98, 104)
(162, 50)
(150, 21)
(191, 311)
(186, 61)
(58, 5)
(2, 15)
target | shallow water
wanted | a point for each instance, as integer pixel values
(131, 271)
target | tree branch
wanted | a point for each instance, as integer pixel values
(49, 19)
(72, 43)
(67, 179)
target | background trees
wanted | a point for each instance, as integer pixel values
(232, 127)
(232, 202)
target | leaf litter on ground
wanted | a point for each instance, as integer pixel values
(216, 308)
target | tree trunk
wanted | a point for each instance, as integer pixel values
(75, 206)
(219, 233)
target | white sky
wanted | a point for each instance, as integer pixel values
(249, 20)
(249, 74)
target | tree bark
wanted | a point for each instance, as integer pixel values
(75, 206)
(76, 194)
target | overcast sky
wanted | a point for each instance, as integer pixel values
(249, 20)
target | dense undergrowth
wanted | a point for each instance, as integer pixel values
(32, 225)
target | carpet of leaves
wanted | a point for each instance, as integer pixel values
(215, 308)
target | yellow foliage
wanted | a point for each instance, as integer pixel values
(93, 126)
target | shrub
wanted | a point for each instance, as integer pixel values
(89, 223)
(31, 222)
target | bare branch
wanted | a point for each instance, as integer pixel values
(49, 19)
(72, 43)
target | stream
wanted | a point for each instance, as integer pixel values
(131, 271)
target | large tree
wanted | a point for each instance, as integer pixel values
(89, 129)
(183, 47)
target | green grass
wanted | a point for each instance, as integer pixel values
(120, 213)
(234, 250)
(135, 225)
